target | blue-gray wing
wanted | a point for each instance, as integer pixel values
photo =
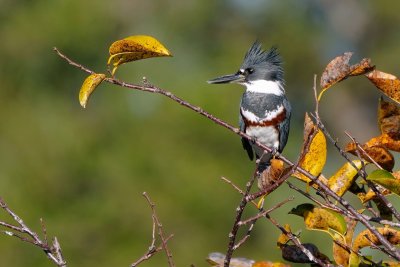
(284, 126)
(245, 143)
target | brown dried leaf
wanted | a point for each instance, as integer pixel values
(339, 69)
(336, 70)
(271, 174)
(386, 141)
(376, 151)
(387, 83)
(389, 118)
(361, 68)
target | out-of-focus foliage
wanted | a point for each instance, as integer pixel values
(83, 171)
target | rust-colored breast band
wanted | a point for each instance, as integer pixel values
(275, 121)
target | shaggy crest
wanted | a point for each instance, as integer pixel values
(256, 56)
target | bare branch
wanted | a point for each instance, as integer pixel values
(164, 240)
(52, 251)
(239, 213)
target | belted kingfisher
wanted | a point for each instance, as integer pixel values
(264, 109)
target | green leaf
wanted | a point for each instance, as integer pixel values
(386, 180)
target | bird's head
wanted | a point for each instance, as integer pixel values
(259, 66)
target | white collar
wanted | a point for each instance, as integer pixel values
(266, 87)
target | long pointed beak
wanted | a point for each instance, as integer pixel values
(231, 78)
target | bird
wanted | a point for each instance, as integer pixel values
(265, 111)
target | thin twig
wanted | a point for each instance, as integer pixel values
(265, 212)
(239, 213)
(150, 252)
(359, 147)
(160, 231)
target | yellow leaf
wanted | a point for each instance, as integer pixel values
(387, 83)
(135, 48)
(283, 238)
(314, 148)
(88, 86)
(366, 238)
(340, 254)
(320, 219)
(341, 181)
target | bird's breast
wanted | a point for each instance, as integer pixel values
(270, 118)
(267, 135)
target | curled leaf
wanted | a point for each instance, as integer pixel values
(386, 141)
(387, 83)
(314, 150)
(320, 219)
(339, 69)
(389, 118)
(135, 48)
(88, 86)
(342, 180)
(366, 238)
(375, 148)
(386, 180)
(271, 174)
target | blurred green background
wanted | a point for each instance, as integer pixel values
(84, 171)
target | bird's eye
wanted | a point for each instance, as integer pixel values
(250, 70)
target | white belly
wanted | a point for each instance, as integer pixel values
(268, 136)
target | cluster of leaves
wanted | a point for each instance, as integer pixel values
(129, 49)
(372, 186)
